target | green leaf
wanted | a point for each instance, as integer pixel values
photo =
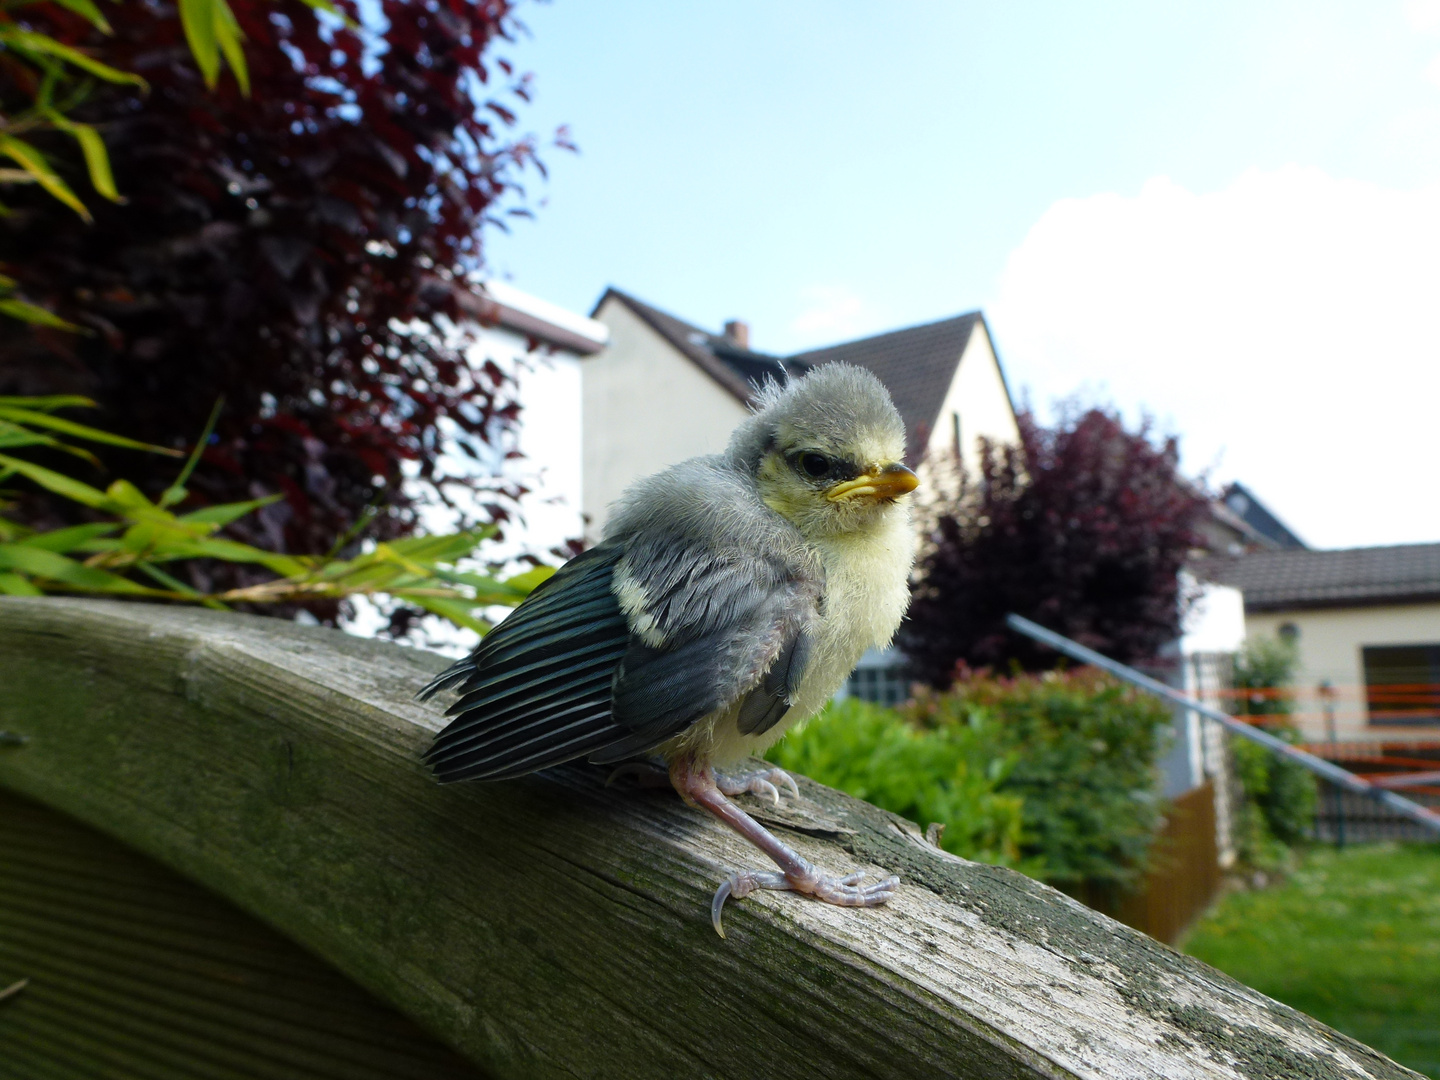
(76, 536)
(79, 431)
(30, 42)
(97, 160)
(176, 492)
(126, 495)
(233, 551)
(444, 547)
(13, 435)
(15, 585)
(457, 610)
(227, 33)
(531, 580)
(330, 9)
(47, 404)
(173, 584)
(87, 10)
(198, 19)
(34, 163)
(56, 482)
(38, 316)
(38, 562)
(227, 512)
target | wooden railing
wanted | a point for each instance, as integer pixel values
(551, 927)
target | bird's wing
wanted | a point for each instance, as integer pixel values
(537, 691)
(708, 627)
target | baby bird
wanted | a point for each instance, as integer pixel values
(729, 599)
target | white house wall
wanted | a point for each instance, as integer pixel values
(1329, 643)
(644, 406)
(977, 394)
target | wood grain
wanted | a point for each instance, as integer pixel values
(550, 927)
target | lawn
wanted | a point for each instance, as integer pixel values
(1352, 938)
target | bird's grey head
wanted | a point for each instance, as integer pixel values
(825, 450)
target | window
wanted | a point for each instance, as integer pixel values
(882, 685)
(959, 448)
(1402, 683)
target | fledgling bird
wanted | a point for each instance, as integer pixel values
(730, 597)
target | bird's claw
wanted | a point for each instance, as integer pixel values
(842, 891)
(760, 782)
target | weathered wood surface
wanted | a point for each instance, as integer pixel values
(550, 927)
(134, 973)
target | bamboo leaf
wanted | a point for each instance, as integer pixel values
(37, 316)
(176, 492)
(34, 162)
(228, 512)
(80, 431)
(127, 496)
(65, 540)
(97, 160)
(87, 10)
(198, 19)
(456, 610)
(228, 34)
(15, 585)
(48, 565)
(48, 403)
(233, 551)
(531, 580)
(56, 482)
(31, 42)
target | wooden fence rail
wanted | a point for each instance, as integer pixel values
(551, 927)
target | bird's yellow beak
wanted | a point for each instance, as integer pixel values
(881, 482)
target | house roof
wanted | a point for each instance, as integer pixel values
(916, 364)
(1281, 580)
(1243, 503)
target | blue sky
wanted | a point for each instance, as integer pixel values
(1225, 214)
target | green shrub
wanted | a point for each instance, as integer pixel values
(1084, 747)
(1054, 774)
(1280, 795)
(950, 775)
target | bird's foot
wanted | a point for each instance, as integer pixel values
(697, 784)
(765, 782)
(803, 878)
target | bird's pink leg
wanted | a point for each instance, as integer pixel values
(696, 784)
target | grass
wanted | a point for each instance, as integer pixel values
(1352, 938)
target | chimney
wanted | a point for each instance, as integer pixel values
(738, 332)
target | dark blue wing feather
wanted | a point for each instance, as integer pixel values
(537, 691)
(719, 597)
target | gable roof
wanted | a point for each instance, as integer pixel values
(1281, 580)
(916, 364)
(1243, 503)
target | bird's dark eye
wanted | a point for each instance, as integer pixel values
(815, 465)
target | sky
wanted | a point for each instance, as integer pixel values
(1224, 216)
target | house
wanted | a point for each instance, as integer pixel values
(1239, 522)
(664, 390)
(1366, 625)
(540, 346)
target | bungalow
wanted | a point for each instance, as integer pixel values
(1366, 625)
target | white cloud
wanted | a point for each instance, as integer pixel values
(1290, 323)
(1432, 71)
(831, 313)
(1423, 15)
